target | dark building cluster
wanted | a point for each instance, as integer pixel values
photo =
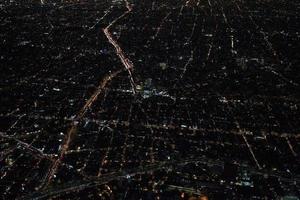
(149, 99)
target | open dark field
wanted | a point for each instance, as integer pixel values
(150, 99)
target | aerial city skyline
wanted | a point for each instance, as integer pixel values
(150, 99)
